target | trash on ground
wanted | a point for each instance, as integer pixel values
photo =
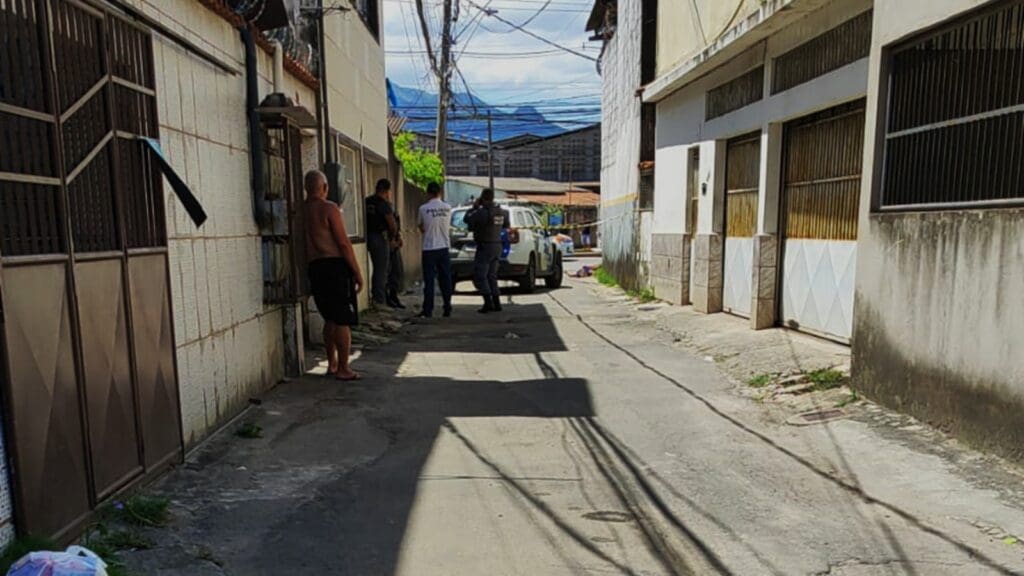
(75, 561)
(586, 271)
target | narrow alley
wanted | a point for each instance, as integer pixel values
(569, 435)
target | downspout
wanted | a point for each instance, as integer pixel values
(252, 102)
(324, 111)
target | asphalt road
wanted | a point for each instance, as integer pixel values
(562, 436)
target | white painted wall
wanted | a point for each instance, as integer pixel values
(620, 147)
(229, 345)
(357, 95)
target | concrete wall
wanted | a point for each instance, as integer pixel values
(685, 28)
(937, 329)
(620, 149)
(230, 346)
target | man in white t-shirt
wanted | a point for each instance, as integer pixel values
(435, 221)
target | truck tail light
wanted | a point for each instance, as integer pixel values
(513, 236)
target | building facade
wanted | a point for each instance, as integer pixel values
(848, 169)
(573, 156)
(759, 140)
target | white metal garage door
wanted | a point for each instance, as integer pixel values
(742, 180)
(824, 154)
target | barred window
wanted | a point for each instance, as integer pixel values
(735, 94)
(646, 200)
(955, 114)
(842, 45)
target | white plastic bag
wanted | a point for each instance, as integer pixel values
(75, 561)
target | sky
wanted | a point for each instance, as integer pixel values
(501, 65)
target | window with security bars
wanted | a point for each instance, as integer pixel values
(646, 197)
(74, 176)
(842, 45)
(955, 115)
(735, 94)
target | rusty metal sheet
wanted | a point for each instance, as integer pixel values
(113, 436)
(153, 341)
(51, 482)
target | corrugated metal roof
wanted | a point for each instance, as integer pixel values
(564, 199)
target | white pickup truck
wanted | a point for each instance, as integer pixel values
(532, 252)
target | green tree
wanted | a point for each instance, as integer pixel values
(421, 167)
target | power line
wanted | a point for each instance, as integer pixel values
(494, 14)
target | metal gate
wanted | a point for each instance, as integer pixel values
(742, 181)
(821, 198)
(89, 382)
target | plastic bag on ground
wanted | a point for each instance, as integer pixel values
(75, 561)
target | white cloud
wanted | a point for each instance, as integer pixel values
(553, 76)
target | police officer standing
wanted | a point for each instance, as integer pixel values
(486, 219)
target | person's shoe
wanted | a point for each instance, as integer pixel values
(447, 312)
(393, 301)
(426, 315)
(497, 304)
(488, 306)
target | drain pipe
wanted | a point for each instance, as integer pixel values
(252, 102)
(278, 68)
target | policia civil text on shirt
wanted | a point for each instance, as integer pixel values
(486, 219)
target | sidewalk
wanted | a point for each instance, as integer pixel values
(766, 367)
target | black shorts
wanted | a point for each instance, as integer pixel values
(334, 291)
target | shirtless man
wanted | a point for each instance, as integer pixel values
(334, 275)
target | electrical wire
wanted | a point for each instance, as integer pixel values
(532, 34)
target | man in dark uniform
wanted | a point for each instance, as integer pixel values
(486, 219)
(380, 229)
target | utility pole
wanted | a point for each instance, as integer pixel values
(490, 153)
(442, 67)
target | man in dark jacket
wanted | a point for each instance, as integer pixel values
(380, 229)
(486, 219)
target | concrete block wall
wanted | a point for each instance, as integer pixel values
(670, 267)
(706, 292)
(764, 276)
(229, 344)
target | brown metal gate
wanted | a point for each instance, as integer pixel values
(821, 200)
(89, 382)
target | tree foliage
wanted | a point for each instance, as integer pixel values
(421, 167)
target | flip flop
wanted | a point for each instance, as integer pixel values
(353, 378)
